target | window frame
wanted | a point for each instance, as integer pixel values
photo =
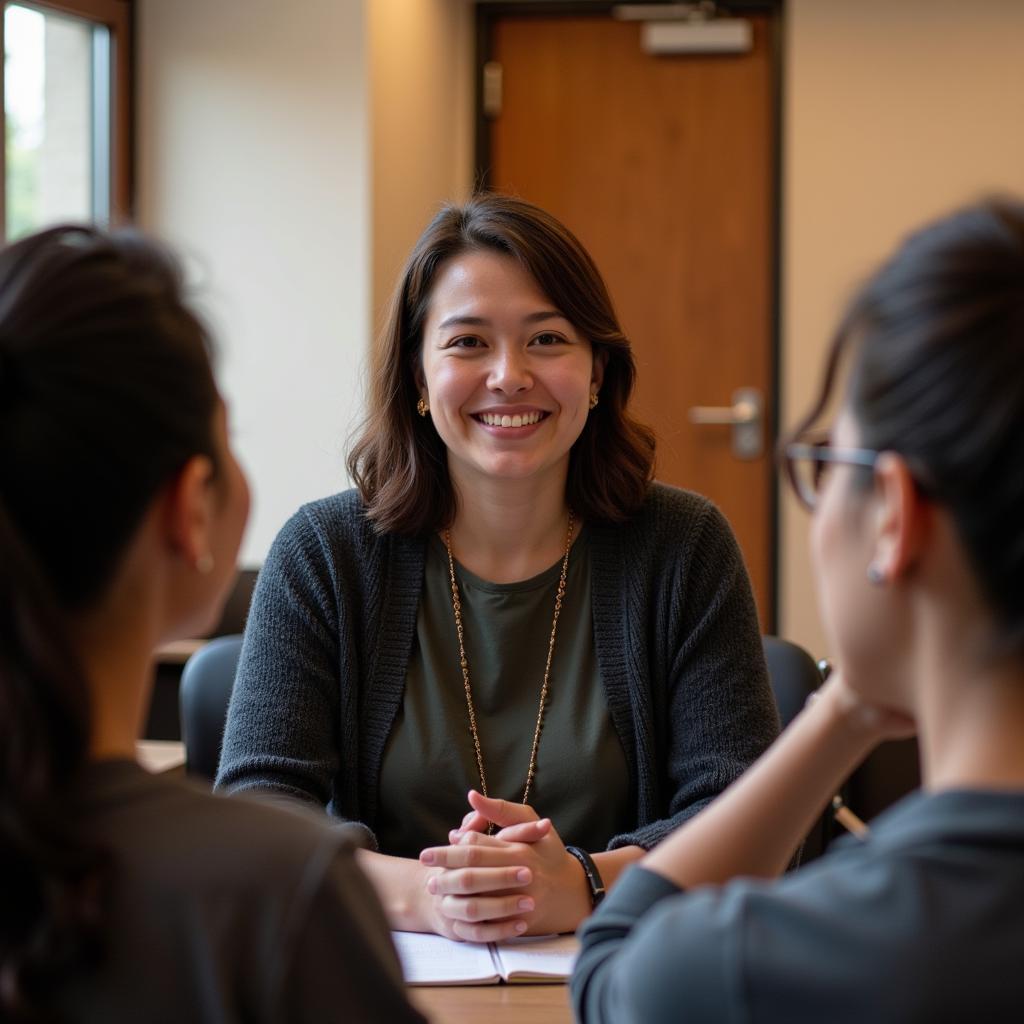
(117, 17)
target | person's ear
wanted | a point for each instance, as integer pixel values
(597, 372)
(190, 513)
(419, 379)
(901, 519)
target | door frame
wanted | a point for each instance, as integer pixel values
(486, 14)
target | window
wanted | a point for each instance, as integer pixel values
(65, 113)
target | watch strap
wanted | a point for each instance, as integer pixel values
(593, 876)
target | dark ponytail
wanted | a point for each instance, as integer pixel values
(105, 392)
(49, 881)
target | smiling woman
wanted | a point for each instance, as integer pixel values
(506, 601)
(506, 379)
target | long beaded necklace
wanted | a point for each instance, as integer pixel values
(457, 610)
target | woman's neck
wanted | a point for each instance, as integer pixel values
(510, 530)
(120, 682)
(115, 644)
(969, 705)
(970, 720)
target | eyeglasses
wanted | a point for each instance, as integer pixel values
(806, 465)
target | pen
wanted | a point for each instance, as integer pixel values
(848, 819)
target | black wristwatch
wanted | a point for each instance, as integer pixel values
(593, 876)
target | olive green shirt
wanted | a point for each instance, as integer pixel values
(582, 777)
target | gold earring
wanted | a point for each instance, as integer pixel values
(422, 407)
(593, 399)
(204, 563)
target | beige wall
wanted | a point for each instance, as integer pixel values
(253, 157)
(421, 123)
(894, 112)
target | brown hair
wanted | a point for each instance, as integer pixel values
(399, 462)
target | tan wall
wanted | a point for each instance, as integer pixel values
(421, 122)
(894, 112)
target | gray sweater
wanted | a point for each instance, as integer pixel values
(332, 626)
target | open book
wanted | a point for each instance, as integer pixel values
(434, 960)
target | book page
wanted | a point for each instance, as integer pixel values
(429, 959)
(537, 957)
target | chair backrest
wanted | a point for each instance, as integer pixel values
(206, 684)
(794, 675)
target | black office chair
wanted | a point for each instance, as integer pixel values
(794, 676)
(206, 684)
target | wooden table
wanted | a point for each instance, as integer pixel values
(494, 1004)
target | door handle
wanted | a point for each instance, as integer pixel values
(745, 416)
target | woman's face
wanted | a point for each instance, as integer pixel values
(229, 503)
(507, 377)
(862, 626)
(235, 496)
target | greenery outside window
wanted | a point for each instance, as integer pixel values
(66, 113)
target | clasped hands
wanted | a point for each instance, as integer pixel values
(484, 888)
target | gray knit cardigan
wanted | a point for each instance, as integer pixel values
(332, 627)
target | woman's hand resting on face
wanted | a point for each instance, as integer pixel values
(875, 721)
(520, 880)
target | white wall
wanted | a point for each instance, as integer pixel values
(894, 113)
(253, 157)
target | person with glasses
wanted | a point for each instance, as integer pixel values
(917, 492)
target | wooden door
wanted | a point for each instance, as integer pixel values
(664, 168)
